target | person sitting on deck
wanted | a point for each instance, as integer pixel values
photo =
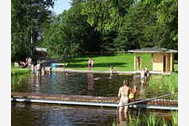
(123, 95)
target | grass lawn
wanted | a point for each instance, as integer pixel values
(19, 71)
(121, 62)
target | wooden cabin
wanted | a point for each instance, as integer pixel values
(162, 59)
(41, 52)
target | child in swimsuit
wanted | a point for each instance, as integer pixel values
(132, 93)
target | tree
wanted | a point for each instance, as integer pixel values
(70, 34)
(27, 18)
(113, 25)
(168, 23)
(138, 24)
(149, 23)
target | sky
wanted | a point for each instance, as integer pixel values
(61, 5)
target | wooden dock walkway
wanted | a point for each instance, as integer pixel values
(159, 104)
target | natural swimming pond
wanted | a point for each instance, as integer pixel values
(72, 84)
(80, 84)
(76, 84)
(56, 115)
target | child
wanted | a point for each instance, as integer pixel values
(132, 93)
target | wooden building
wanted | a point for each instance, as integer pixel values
(162, 59)
(41, 52)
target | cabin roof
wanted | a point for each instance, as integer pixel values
(41, 49)
(153, 50)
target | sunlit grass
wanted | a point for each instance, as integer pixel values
(121, 62)
(18, 70)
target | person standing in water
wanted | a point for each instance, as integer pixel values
(146, 74)
(132, 93)
(142, 76)
(123, 95)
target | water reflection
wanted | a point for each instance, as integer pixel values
(36, 81)
(122, 118)
(55, 115)
(48, 115)
(90, 83)
(72, 84)
(77, 84)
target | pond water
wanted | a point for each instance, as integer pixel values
(56, 115)
(73, 84)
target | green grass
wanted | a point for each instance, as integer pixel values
(121, 62)
(19, 71)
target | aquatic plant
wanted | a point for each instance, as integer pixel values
(152, 120)
(174, 119)
(17, 80)
(162, 84)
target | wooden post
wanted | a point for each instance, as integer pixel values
(171, 62)
(134, 62)
(152, 61)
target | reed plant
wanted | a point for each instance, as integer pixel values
(148, 120)
(174, 119)
(151, 119)
(17, 81)
(162, 84)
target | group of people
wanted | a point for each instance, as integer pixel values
(25, 63)
(40, 69)
(127, 94)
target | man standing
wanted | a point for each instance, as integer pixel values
(123, 95)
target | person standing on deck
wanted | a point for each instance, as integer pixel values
(123, 95)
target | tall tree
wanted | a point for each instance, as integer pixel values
(70, 34)
(28, 17)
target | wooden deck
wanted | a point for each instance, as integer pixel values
(162, 104)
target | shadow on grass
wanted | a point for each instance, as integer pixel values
(85, 58)
(77, 60)
(97, 65)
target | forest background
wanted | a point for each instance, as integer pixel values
(91, 26)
